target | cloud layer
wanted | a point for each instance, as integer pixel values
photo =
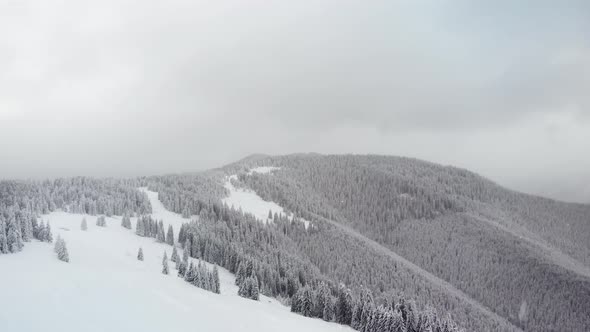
(121, 88)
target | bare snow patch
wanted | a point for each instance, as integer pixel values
(263, 170)
(159, 211)
(250, 202)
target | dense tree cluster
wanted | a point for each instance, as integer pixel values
(146, 226)
(187, 194)
(21, 202)
(198, 275)
(266, 260)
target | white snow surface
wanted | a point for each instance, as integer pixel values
(250, 202)
(263, 170)
(105, 288)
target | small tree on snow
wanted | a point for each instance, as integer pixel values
(101, 221)
(84, 225)
(48, 235)
(126, 221)
(140, 254)
(216, 288)
(174, 256)
(61, 250)
(165, 263)
(170, 236)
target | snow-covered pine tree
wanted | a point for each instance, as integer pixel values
(240, 274)
(190, 273)
(13, 236)
(254, 291)
(48, 235)
(62, 250)
(101, 221)
(306, 301)
(323, 296)
(216, 284)
(140, 254)
(57, 246)
(174, 256)
(3, 239)
(328, 314)
(126, 221)
(26, 227)
(397, 322)
(170, 236)
(84, 224)
(344, 306)
(165, 263)
(185, 252)
(140, 227)
(249, 288)
(160, 236)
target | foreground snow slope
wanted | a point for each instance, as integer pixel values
(105, 288)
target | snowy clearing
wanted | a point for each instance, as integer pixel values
(263, 170)
(105, 287)
(250, 202)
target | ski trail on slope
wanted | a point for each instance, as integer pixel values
(425, 274)
(548, 251)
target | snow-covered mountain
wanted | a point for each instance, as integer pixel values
(104, 287)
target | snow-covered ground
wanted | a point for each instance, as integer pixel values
(249, 201)
(263, 170)
(105, 288)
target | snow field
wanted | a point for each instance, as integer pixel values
(105, 287)
(250, 202)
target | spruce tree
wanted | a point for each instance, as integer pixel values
(48, 235)
(170, 235)
(174, 256)
(101, 221)
(165, 263)
(160, 236)
(3, 239)
(140, 254)
(328, 314)
(190, 273)
(216, 284)
(126, 221)
(185, 252)
(140, 227)
(61, 250)
(12, 237)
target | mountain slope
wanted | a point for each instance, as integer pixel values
(105, 288)
(517, 254)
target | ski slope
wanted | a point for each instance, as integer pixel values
(250, 202)
(105, 288)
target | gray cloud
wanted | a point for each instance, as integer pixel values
(139, 87)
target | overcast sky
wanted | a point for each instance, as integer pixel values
(120, 88)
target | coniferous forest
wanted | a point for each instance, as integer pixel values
(375, 243)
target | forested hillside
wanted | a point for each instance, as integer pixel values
(21, 202)
(428, 214)
(376, 243)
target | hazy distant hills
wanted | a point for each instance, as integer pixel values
(525, 258)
